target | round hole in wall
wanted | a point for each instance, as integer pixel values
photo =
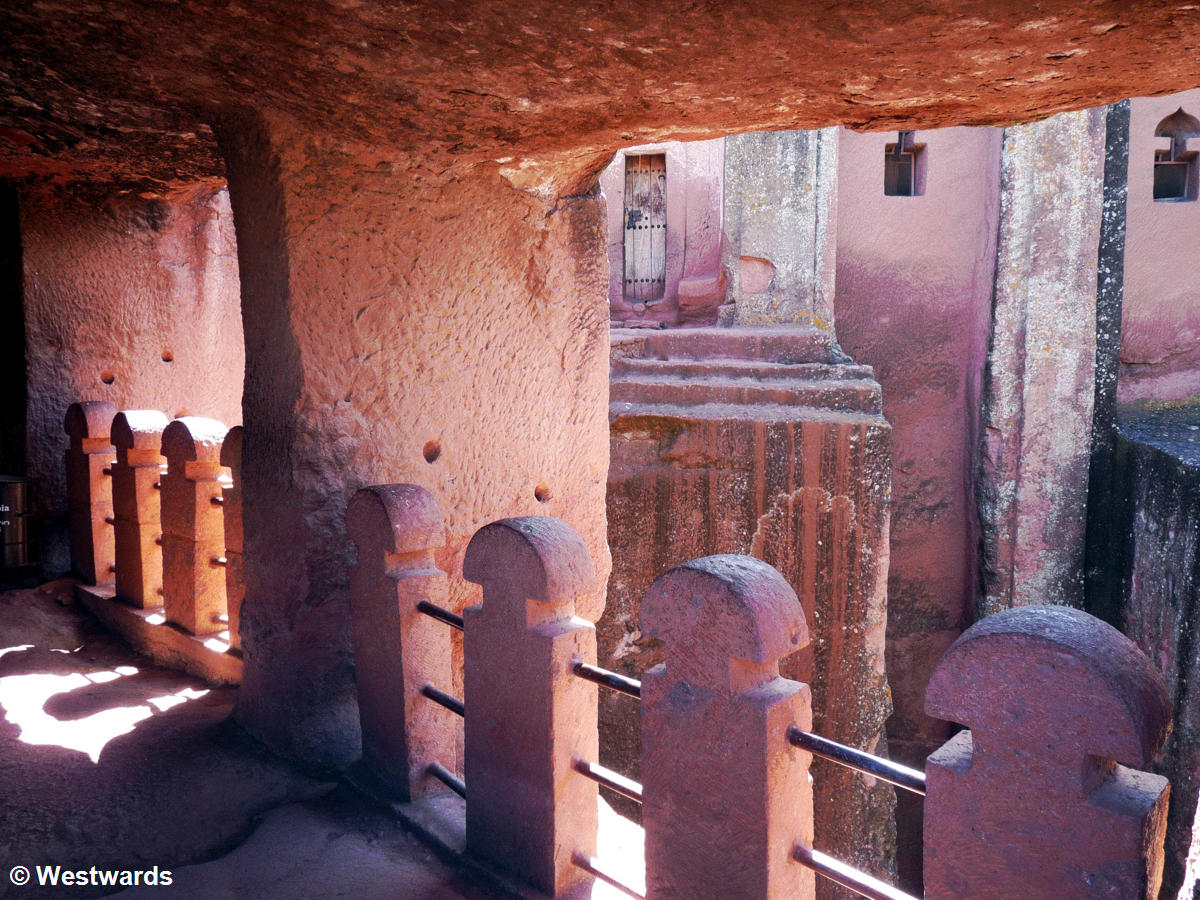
(431, 451)
(167, 356)
(107, 377)
(542, 492)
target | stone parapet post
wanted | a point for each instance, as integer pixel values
(726, 797)
(528, 716)
(193, 525)
(1035, 800)
(398, 649)
(89, 490)
(137, 503)
(231, 509)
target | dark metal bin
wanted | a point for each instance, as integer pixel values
(16, 544)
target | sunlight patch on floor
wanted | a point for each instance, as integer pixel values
(24, 698)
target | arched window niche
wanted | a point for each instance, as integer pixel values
(1175, 166)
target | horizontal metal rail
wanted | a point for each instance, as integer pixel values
(614, 781)
(448, 778)
(592, 867)
(441, 698)
(442, 615)
(860, 760)
(613, 680)
(884, 769)
(852, 879)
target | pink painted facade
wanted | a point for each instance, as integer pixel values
(914, 285)
(1160, 323)
(695, 187)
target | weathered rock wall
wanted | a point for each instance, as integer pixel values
(781, 226)
(765, 442)
(130, 299)
(12, 336)
(403, 324)
(1158, 465)
(1039, 384)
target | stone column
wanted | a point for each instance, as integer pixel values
(89, 490)
(528, 716)
(1035, 800)
(726, 796)
(231, 509)
(398, 649)
(364, 310)
(781, 226)
(1039, 385)
(193, 526)
(137, 500)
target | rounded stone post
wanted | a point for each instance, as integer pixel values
(137, 504)
(231, 509)
(1031, 801)
(89, 490)
(193, 526)
(726, 797)
(397, 649)
(528, 716)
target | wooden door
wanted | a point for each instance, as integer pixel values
(645, 227)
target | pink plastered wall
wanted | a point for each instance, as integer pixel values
(695, 185)
(131, 299)
(914, 285)
(1160, 321)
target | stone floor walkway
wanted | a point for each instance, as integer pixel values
(108, 761)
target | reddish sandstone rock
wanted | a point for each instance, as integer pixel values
(1036, 799)
(727, 797)
(547, 91)
(761, 442)
(699, 298)
(89, 459)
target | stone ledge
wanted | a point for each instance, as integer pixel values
(147, 631)
(439, 822)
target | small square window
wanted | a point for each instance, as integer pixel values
(904, 167)
(1174, 179)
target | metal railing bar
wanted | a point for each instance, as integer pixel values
(860, 760)
(442, 615)
(592, 867)
(613, 680)
(441, 698)
(851, 879)
(614, 781)
(448, 778)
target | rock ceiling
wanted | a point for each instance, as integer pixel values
(127, 89)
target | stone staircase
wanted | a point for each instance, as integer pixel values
(768, 442)
(768, 373)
